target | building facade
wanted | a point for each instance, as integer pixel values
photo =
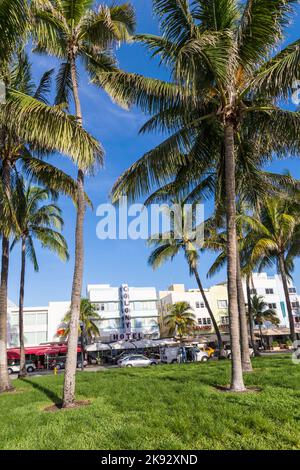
(125, 312)
(134, 313)
(268, 287)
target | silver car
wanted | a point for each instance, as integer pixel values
(137, 360)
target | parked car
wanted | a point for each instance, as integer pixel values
(15, 367)
(210, 351)
(59, 365)
(119, 357)
(171, 355)
(228, 352)
(137, 360)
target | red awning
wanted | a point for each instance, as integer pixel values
(13, 354)
(43, 350)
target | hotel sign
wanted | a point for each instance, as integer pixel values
(125, 309)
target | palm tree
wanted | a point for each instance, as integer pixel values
(88, 328)
(72, 31)
(262, 314)
(40, 221)
(182, 238)
(275, 239)
(180, 321)
(13, 24)
(28, 123)
(224, 74)
(216, 240)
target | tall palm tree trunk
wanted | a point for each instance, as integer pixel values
(246, 361)
(287, 297)
(5, 383)
(250, 317)
(23, 371)
(71, 362)
(210, 312)
(261, 337)
(237, 381)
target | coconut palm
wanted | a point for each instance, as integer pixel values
(262, 314)
(13, 24)
(88, 317)
(28, 123)
(275, 239)
(182, 237)
(36, 221)
(88, 328)
(216, 240)
(225, 74)
(180, 320)
(72, 31)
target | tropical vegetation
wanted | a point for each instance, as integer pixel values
(36, 220)
(262, 314)
(180, 320)
(223, 115)
(74, 31)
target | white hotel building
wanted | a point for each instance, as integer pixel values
(141, 319)
(133, 312)
(269, 287)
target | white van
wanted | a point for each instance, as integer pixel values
(14, 367)
(172, 354)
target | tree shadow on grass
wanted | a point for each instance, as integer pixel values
(57, 401)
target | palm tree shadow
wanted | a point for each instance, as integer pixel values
(57, 401)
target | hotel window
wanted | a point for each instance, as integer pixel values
(200, 305)
(112, 306)
(29, 319)
(224, 320)
(269, 291)
(222, 304)
(292, 290)
(208, 321)
(200, 321)
(41, 319)
(41, 337)
(253, 291)
(295, 304)
(272, 306)
(14, 320)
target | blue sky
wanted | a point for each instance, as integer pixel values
(114, 261)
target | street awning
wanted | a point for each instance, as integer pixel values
(13, 354)
(43, 350)
(122, 345)
(98, 347)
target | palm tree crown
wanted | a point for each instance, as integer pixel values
(261, 312)
(37, 220)
(89, 318)
(180, 320)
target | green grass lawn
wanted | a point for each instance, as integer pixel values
(163, 407)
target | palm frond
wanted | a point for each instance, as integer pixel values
(51, 128)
